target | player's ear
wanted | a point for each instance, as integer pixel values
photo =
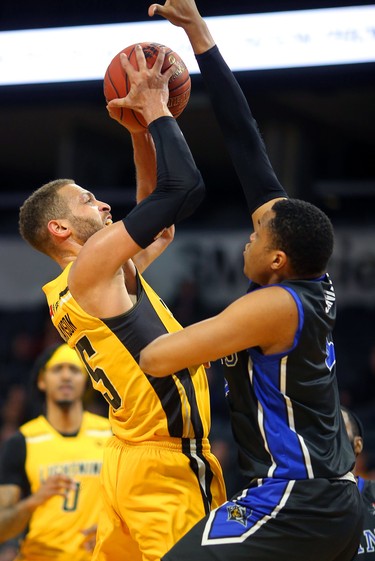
(59, 228)
(279, 260)
(357, 445)
(41, 384)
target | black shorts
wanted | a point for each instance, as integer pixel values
(312, 520)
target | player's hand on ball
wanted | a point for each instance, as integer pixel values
(149, 91)
(118, 82)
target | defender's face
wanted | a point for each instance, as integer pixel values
(258, 253)
(87, 214)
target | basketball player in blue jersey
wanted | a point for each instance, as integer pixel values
(366, 550)
(301, 501)
(159, 476)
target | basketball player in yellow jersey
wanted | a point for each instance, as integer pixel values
(159, 476)
(49, 482)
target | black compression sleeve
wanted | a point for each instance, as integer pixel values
(179, 189)
(240, 131)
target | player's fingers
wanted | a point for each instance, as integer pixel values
(60, 479)
(66, 489)
(140, 56)
(118, 103)
(62, 482)
(114, 103)
(155, 9)
(126, 64)
(68, 481)
(159, 60)
(170, 71)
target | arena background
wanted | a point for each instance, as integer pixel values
(318, 125)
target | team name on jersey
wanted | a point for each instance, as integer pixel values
(66, 327)
(71, 469)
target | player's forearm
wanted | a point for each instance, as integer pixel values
(190, 347)
(179, 190)
(145, 163)
(199, 35)
(160, 357)
(14, 519)
(240, 131)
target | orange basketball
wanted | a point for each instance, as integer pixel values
(116, 83)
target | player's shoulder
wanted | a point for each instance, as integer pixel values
(59, 282)
(94, 422)
(34, 426)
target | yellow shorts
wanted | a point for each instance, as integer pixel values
(154, 492)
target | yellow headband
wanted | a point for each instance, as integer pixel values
(64, 354)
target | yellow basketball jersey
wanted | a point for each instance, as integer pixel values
(142, 407)
(55, 527)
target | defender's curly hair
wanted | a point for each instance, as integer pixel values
(304, 233)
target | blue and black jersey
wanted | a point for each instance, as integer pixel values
(285, 407)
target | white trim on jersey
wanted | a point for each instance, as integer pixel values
(291, 423)
(206, 540)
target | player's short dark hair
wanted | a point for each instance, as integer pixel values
(304, 233)
(355, 422)
(40, 207)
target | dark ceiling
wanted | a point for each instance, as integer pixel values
(18, 14)
(317, 123)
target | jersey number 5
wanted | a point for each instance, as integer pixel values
(85, 349)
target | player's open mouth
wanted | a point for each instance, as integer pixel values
(108, 221)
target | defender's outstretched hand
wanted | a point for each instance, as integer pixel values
(178, 12)
(185, 14)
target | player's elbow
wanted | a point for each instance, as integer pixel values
(149, 364)
(194, 190)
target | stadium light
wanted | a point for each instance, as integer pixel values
(292, 39)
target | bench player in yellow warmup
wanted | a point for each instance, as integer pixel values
(49, 482)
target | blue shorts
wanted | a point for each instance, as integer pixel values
(315, 519)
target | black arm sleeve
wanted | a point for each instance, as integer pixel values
(179, 189)
(240, 130)
(12, 463)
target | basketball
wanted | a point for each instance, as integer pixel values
(116, 83)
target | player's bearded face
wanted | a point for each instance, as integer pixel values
(84, 227)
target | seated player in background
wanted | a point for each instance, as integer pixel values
(49, 470)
